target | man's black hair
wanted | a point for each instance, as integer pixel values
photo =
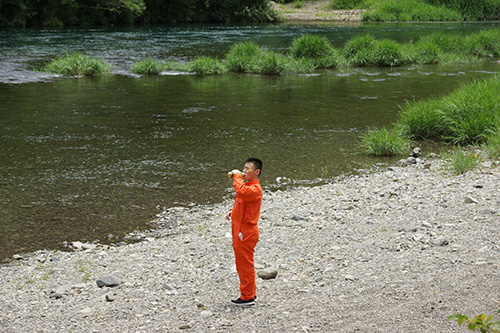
(257, 163)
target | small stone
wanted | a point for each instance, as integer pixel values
(411, 160)
(110, 297)
(350, 278)
(17, 257)
(488, 211)
(268, 273)
(206, 314)
(79, 286)
(470, 199)
(427, 165)
(58, 292)
(185, 326)
(416, 152)
(403, 162)
(86, 311)
(426, 224)
(167, 286)
(77, 245)
(88, 246)
(440, 241)
(109, 281)
(298, 218)
(408, 228)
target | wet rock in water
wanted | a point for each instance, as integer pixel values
(109, 281)
(267, 273)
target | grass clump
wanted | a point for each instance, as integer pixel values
(316, 50)
(384, 142)
(206, 66)
(409, 10)
(485, 43)
(242, 57)
(147, 67)
(461, 160)
(492, 144)
(310, 46)
(272, 63)
(77, 64)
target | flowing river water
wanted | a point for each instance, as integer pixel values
(93, 158)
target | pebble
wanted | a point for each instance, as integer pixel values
(108, 281)
(267, 273)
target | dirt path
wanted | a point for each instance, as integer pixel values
(316, 11)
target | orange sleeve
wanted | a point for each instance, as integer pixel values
(247, 193)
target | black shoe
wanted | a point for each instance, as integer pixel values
(240, 302)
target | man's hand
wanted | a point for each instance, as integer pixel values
(228, 215)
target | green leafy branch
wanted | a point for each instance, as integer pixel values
(480, 322)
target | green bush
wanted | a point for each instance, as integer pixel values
(471, 9)
(409, 10)
(206, 66)
(147, 67)
(77, 64)
(384, 142)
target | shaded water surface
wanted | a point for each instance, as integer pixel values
(95, 158)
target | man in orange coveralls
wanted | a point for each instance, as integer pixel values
(244, 217)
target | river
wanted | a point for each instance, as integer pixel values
(93, 158)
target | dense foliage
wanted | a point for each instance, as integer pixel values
(427, 10)
(22, 13)
(472, 9)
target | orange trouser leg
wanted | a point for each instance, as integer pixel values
(243, 253)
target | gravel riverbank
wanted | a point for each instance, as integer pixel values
(396, 250)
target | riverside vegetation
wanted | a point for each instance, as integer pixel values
(423, 10)
(468, 116)
(311, 52)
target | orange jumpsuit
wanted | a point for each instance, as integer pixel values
(244, 218)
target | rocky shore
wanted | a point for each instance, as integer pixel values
(315, 11)
(391, 250)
